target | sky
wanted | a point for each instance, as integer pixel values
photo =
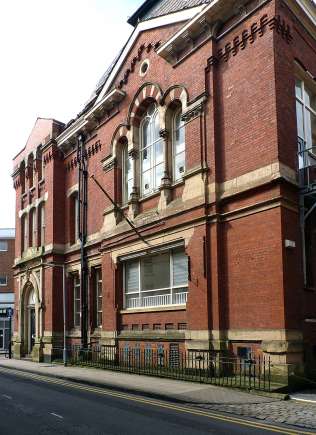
(53, 53)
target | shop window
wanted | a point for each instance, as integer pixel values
(152, 151)
(156, 280)
(156, 326)
(182, 326)
(145, 327)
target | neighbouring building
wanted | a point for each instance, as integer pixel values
(203, 132)
(7, 236)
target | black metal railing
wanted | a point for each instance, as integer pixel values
(193, 365)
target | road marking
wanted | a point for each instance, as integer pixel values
(211, 415)
(7, 397)
(57, 415)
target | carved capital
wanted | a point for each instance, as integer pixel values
(109, 164)
(164, 133)
(133, 154)
(193, 112)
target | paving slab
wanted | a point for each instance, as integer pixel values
(188, 392)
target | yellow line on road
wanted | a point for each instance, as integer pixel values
(157, 403)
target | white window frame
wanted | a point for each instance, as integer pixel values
(99, 297)
(76, 214)
(76, 288)
(153, 164)
(6, 281)
(140, 293)
(174, 154)
(125, 178)
(5, 243)
(306, 108)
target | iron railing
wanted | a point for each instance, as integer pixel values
(193, 365)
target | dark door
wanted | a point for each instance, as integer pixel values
(1, 339)
(32, 328)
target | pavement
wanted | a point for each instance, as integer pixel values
(204, 397)
(33, 404)
(169, 389)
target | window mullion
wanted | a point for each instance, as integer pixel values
(139, 281)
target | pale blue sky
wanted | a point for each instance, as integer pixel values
(52, 54)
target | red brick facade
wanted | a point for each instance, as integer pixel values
(233, 210)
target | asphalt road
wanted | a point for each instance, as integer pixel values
(37, 405)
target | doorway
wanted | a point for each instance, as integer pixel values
(31, 322)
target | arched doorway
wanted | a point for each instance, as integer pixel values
(30, 321)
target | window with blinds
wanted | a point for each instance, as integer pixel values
(156, 280)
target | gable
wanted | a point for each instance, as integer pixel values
(153, 9)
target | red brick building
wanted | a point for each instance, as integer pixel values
(193, 131)
(7, 247)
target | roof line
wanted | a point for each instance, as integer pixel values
(133, 20)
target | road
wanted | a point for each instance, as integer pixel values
(33, 404)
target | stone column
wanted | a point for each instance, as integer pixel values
(165, 188)
(133, 203)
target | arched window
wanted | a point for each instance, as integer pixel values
(32, 228)
(30, 168)
(74, 218)
(152, 154)
(41, 225)
(127, 174)
(178, 146)
(22, 177)
(23, 233)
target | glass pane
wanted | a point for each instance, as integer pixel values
(145, 133)
(147, 182)
(132, 277)
(129, 188)
(179, 140)
(159, 171)
(156, 126)
(151, 109)
(300, 120)
(180, 268)
(298, 89)
(309, 120)
(155, 272)
(310, 99)
(146, 159)
(179, 166)
(159, 152)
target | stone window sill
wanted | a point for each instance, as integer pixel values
(154, 309)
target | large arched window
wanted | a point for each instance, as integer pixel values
(152, 155)
(74, 218)
(41, 224)
(178, 145)
(32, 228)
(127, 174)
(24, 244)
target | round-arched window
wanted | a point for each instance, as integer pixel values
(152, 155)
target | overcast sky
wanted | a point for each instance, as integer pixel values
(53, 52)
